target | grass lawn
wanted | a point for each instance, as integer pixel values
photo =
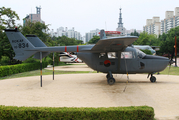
(173, 71)
(44, 72)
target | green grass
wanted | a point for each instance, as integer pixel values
(173, 71)
(44, 72)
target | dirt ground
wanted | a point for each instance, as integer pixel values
(92, 90)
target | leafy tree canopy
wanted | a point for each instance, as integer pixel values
(94, 40)
(7, 20)
(168, 40)
(65, 41)
(147, 39)
(39, 29)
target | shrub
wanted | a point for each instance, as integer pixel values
(146, 51)
(18, 68)
(113, 113)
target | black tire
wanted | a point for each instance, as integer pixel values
(152, 79)
(111, 81)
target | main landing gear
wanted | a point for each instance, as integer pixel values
(152, 78)
(110, 78)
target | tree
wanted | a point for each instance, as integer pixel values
(94, 40)
(168, 40)
(7, 20)
(135, 33)
(147, 39)
(38, 29)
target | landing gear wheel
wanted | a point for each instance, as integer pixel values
(152, 79)
(111, 81)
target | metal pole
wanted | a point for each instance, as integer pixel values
(53, 66)
(41, 69)
(175, 50)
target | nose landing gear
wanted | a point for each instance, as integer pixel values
(152, 78)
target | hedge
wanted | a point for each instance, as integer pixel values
(18, 68)
(113, 113)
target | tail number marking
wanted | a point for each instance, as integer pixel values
(21, 45)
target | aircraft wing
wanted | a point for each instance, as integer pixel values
(113, 44)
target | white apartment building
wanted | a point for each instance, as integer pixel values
(71, 33)
(155, 26)
(152, 26)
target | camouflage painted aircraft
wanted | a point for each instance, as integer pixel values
(113, 55)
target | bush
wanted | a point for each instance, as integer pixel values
(114, 113)
(148, 52)
(18, 68)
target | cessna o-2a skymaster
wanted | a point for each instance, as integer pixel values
(109, 55)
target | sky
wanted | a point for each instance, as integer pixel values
(86, 15)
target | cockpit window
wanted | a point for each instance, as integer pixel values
(140, 54)
(127, 55)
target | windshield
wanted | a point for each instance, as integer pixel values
(140, 54)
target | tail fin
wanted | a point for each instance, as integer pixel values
(21, 46)
(102, 34)
(37, 43)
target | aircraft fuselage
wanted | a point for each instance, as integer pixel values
(130, 61)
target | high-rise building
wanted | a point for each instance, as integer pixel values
(154, 26)
(120, 24)
(34, 17)
(70, 33)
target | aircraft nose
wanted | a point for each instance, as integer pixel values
(158, 62)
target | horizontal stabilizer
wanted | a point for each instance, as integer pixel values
(37, 55)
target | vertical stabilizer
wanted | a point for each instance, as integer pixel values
(37, 43)
(102, 34)
(21, 46)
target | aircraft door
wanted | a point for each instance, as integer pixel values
(128, 62)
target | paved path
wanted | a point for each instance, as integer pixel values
(92, 90)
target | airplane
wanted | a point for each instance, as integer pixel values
(145, 47)
(66, 57)
(114, 55)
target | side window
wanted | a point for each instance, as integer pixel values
(112, 55)
(127, 55)
(101, 55)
